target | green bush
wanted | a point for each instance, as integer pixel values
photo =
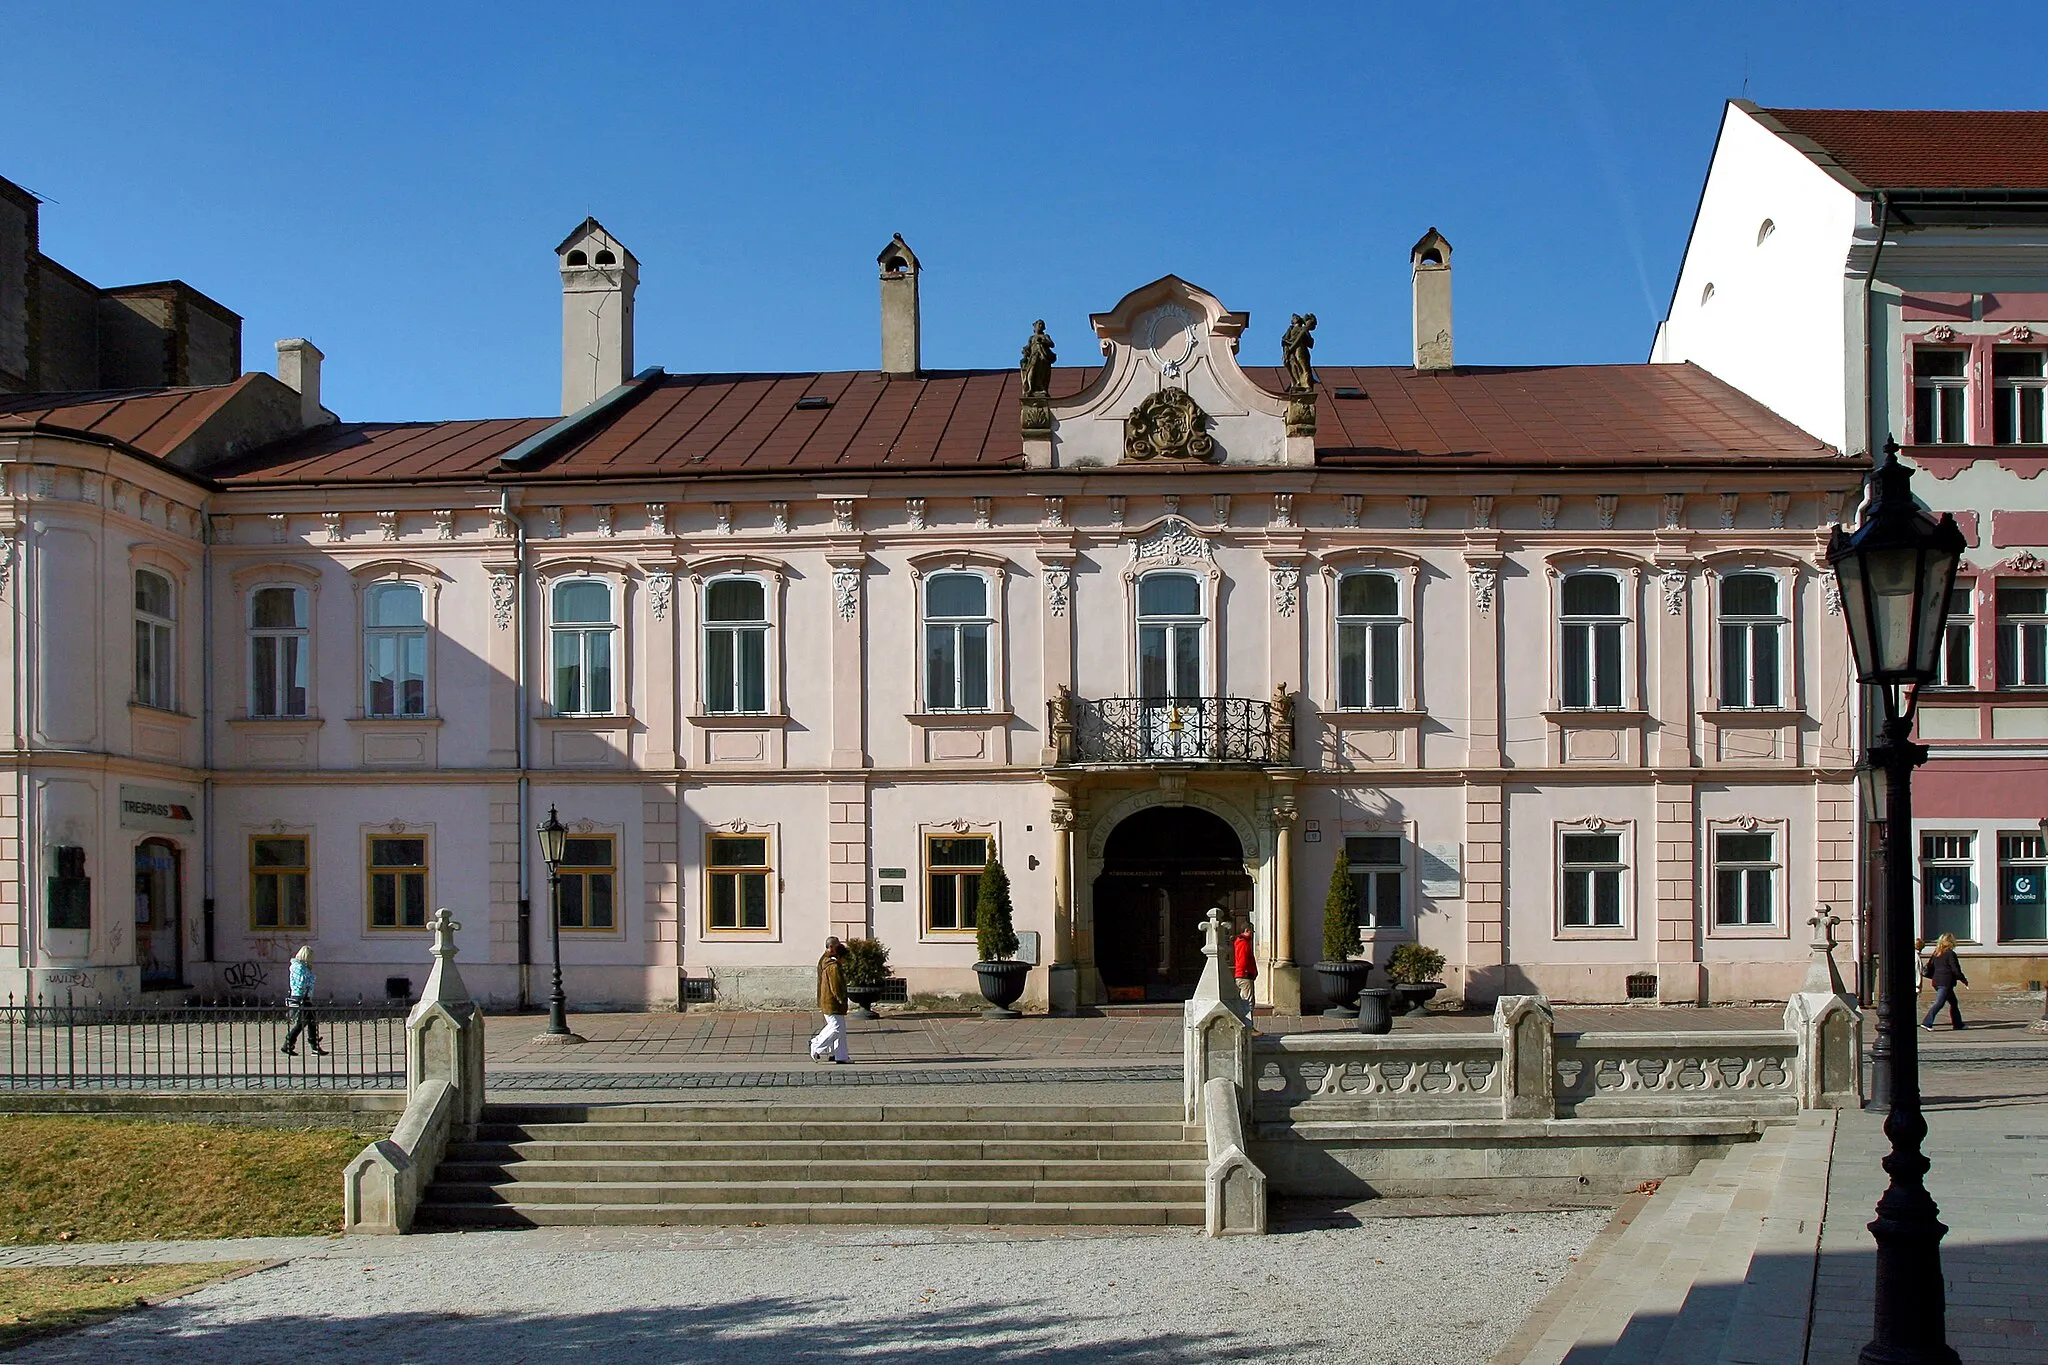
(867, 962)
(994, 939)
(1340, 914)
(1412, 964)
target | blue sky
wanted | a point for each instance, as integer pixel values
(389, 180)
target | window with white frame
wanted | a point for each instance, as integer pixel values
(1745, 878)
(1170, 630)
(1591, 870)
(737, 873)
(957, 627)
(1940, 391)
(1948, 885)
(1957, 665)
(2022, 875)
(1591, 624)
(279, 659)
(735, 647)
(584, 630)
(1376, 871)
(394, 650)
(156, 663)
(1752, 636)
(2018, 390)
(586, 882)
(1369, 624)
(2022, 635)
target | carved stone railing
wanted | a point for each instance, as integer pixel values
(1749, 1072)
(1349, 1076)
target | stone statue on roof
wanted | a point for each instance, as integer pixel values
(1294, 348)
(1036, 366)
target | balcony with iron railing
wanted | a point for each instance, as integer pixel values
(1241, 731)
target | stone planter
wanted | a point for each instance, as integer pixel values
(1410, 997)
(1342, 981)
(1374, 1016)
(1001, 985)
(863, 1000)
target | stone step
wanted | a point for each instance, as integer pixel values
(840, 1150)
(862, 1215)
(525, 1193)
(791, 1129)
(464, 1170)
(686, 1112)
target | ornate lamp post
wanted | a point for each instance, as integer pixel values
(1895, 570)
(553, 835)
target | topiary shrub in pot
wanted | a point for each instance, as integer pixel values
(867, 968)
(1342, 975)
(1415, 970)
(1002, 979)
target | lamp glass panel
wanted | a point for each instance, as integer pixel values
(1938, 576)
(1893, 579)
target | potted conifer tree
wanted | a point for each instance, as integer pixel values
(1002, 977)
(1343, 975)
(867, 968)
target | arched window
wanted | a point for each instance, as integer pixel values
(1170, 630)
(1368, 641)
(1752, 630)
(1591, 625)
(156, 660)
(583, 630)
(735, 646)
(394, 650)
(278, 662)
(956, 634)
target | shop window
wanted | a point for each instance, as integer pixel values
(1948, 885)
(2022, 871)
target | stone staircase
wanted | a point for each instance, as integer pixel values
(1715, 1268)
(788, 1162)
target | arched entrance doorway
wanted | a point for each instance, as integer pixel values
(159, 915)
(1162, 869)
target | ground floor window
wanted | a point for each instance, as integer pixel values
(1745, 878)
(1592, 870)
(739, 870)
(953, 867)
(278, 873)
(588, 876)
(1947, 886)
(2022, 868)
(398, 881)
(1376, 871)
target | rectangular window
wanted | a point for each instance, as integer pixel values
(1592, 870)
(1939, 392)
(736, 647)
(1590, 647)
(1957, 666)
(2022, 636)
(1751, 629)
(398, 882)
(1376, 870)
(1947, 885)
(155, 658)
(739, 872)
(2022, 870)
(277, 652)
(588, 879)
(1745, 879)
(1368, 641)
(278, 872)
(2016, 397)
(953, 867)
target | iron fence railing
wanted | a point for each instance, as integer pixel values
(51, 1043)
(1180, 730)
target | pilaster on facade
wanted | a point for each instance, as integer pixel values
(1485, 884)
(846, 841)
(1835, 839)
(508, 846)
(660, 873)
(1677, 906)
(1483, 562)
(849, 654)
(661, 629)
(1672, 713)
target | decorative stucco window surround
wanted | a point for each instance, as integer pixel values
(616, 577)
(1780, 832)
(1405, 572)
(1171, 545)
(1620, 837)
(1609, 733)
(993, 571)
(364, 578)
(732, 875)
(773, 576)
(246, 583)
(1784, 571)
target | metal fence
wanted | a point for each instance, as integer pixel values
(49, 1043)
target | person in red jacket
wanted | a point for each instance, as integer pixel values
(1244, 964)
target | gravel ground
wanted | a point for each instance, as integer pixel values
(1392, 1291)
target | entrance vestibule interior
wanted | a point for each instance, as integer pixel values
(1162, 870)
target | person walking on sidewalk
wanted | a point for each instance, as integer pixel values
(829, 1043)
(299, 1003)
(1945, 970)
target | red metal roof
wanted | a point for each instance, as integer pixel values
(750, 424)
(154, 421)
(1926, 149)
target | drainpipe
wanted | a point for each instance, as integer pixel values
(523, 744)
(206, 743)
(1869, 929)
(1884, 210)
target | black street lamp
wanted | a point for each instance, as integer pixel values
(553, 835)
(1895, 570)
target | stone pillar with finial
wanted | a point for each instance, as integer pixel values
(1828, 1025)
(445, 1032)
(1216, 1038)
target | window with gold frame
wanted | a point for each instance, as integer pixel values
(279, 876)
(588, 883)
(738, 896)
(953, 867)
(396, 874)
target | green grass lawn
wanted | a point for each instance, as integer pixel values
(48, 1299)
(118, 1180)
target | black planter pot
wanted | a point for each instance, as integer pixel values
(1342, 981)
(863, 999)
(1410, 997)
(1001, 984)
(1373, 1014)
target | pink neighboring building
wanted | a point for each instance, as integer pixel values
(1546, 650)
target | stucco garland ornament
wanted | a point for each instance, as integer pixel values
(1673, 580)
(1174, 543)
(660, 590)
(501, 600)
(1286, 588)
(2026, 561)
(1058, 582)
(1484, 579)
(1831, 592)
(1168, 426)
(846, 587)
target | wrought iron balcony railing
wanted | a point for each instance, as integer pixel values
(1172, 730)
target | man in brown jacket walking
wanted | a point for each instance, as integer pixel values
(829, 1044)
